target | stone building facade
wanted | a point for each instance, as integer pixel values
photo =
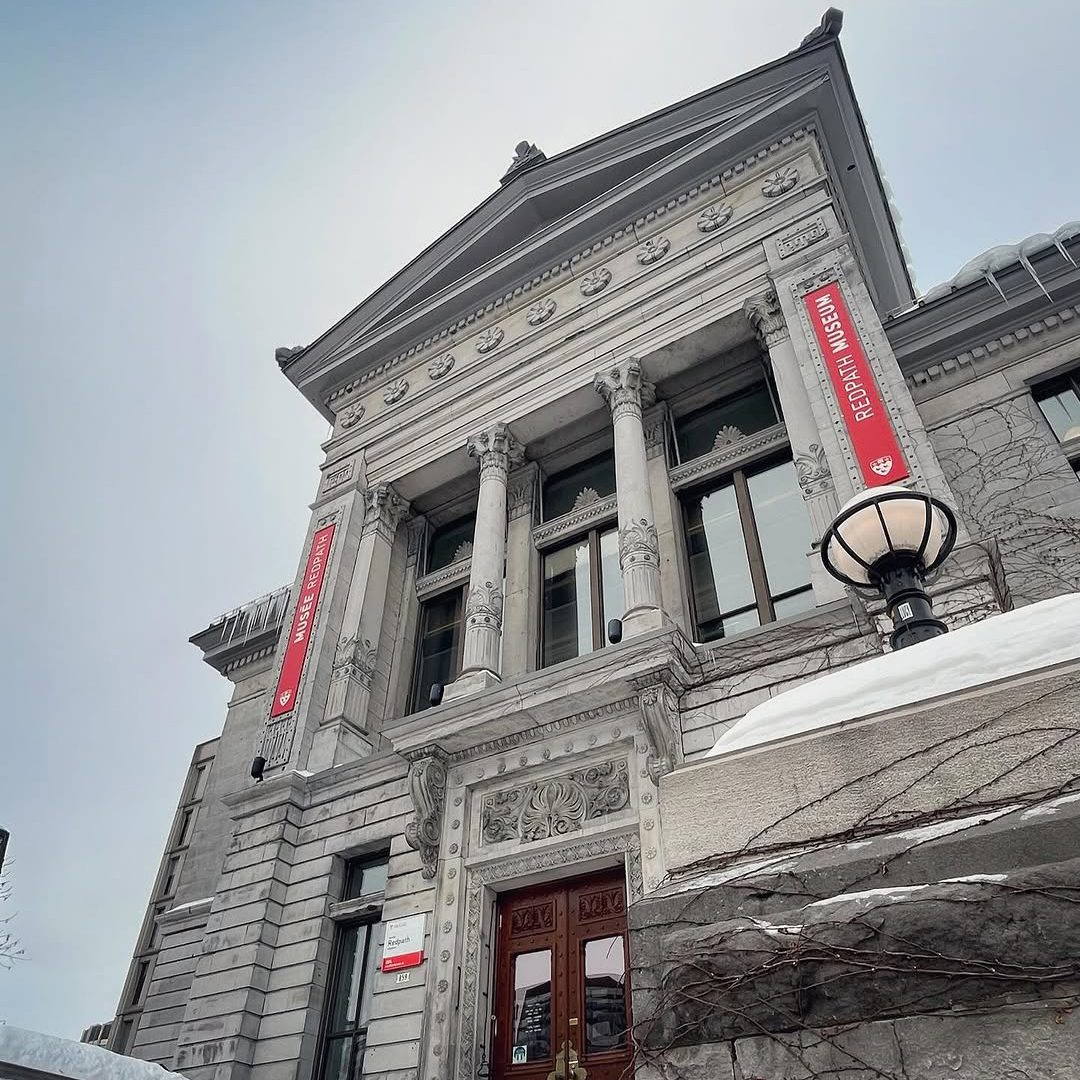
(584, 448)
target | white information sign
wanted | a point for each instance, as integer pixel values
(403, 946)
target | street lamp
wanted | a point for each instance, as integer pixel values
(887, 541)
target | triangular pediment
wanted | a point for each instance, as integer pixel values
(548, 212)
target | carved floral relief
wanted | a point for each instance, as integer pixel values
(714, 217)
(595, 281)
(653, 250)
(540, 312)
(351, 415)
(488, 340)
(441, 366)
(555, 807)
(782, 181)
(396, 391)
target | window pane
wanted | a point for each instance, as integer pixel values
(567, 604)
(564, 490)
(531, 1029)
(611, 582)
(1060, 403)
(728, 419)
(794, 604)
(440, 627)
(198, 782)
(451, 543)
(183, 834)
(719, 568)
(365, 878)
(340, 1054)
(783, 527)
(348, 977)
(605, 994)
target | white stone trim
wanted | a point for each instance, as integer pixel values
(576, 521)
(457, 573)
(728, 458)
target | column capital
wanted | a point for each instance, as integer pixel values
(383, 509)
(625, 388)
(496, 448)
(767, 318)
(521, 490)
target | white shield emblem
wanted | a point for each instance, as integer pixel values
(882, 465)
(285, 698)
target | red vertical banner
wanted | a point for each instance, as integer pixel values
(872, 436)
(292, 666)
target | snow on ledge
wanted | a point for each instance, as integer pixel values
(999, 647)
(72, 1060)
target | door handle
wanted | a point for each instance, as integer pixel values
(566, 1065)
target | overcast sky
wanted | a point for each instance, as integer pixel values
(187, 186)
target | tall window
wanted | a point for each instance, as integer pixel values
(1059, 400)
(438, 648)
(357, 946)
(747, 539)
(583, 589)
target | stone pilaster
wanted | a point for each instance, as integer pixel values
(346, 728)
(627, 392)
(496, 450)
(401, 666)
(521, 616)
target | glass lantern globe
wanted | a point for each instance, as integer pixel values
(884, 527)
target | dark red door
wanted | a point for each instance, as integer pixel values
(562, 994)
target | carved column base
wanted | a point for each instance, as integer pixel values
(470, 682)
(335, 742)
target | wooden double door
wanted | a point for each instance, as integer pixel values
(562, 987)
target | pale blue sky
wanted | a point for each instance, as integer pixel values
(187, 186)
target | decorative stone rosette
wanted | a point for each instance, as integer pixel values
(351, 415)
(653, 250)
(540, 312)
(780, 182)
(595, 281)
(490, 339)
(396, 391)
(441, 367)
(714, 217)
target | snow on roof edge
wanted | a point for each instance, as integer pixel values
(73, 1060)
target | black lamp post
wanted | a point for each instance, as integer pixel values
(886, 542)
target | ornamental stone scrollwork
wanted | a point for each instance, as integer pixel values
(625, 388)
(658, 713)
(653, 250)
(555, 807)
(490, 339)
(395, 391)
(485, 606)
(728, 435)
(812, 470)
(441, 367)
(540, 312)
(595, 281)
(355, 658)
(638, 545)
(767, 318)
(383, 509)
(351, 415)
(427, 786)
(496, 448)
(714, 217)
(781, 182)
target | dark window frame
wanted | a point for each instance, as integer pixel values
(416, 702)
(356, 1035)
(592, 536)
(714, 402)
(1051, 387)
(764, 601)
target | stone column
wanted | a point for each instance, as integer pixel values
(346, 726)
(496, 450)
(521, 618)
(807, 446)
(627, 391)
